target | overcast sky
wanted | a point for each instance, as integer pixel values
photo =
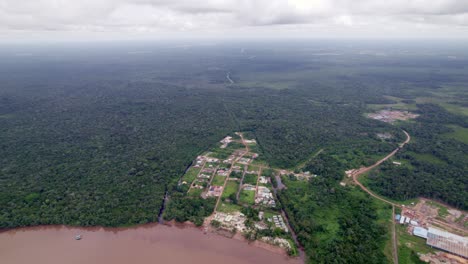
(152, 19)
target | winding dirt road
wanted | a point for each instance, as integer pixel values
(355, 174)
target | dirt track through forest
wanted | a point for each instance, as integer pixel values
(363, 170)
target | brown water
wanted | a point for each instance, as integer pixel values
(143, 244)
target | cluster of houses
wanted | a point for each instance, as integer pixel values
(223, 172)
(203, 178)
(202, 159)
(236, 168)
(405, 220)
(214, 191)
(265, 197)
(229, 160)
(199, 162)
(233, 220)
(279, 222)
(300, 176)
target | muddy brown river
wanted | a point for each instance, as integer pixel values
(144, 244)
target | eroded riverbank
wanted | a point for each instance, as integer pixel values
(142, 244)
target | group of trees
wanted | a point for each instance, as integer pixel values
(99, 155)
(99, 141)
(434, 165)
(334, 224)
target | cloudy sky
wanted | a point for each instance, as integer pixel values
(152, 19)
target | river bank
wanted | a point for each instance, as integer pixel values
(177, 243)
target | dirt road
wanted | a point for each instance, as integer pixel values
(394, 238)
(360, 171)
(363, 170)
(230, 171)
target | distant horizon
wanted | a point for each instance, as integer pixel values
(223, 40)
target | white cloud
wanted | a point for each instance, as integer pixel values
(245, 17)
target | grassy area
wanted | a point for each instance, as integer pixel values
(220, 154)
(218, 180)
(228, 207)
(460, 134)
(267, 172)
(253, 168)
(398, 105)
(191, 174)
(260, 162)
(408, 243)
(247, 197)
(384, 216)
(269, 213)
(408, 256)
(231, 147)
(456, 109)
(294, 252)
(212, 164)
(231, 187)
(250, 179)
(427, 158)
(195, 192)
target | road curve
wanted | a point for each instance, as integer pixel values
(363, 170)
(360, 171)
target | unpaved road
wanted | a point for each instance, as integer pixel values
(363, 170)
(394, 238)
(360, 171)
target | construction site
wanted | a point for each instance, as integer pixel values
(390, 116)
(442, 228)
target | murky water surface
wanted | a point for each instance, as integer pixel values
(144, 244)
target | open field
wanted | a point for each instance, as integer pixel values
(229, 207)
(191, 174)
(218, 180)
(247, 197)
(231, 188)
(408, 243)
(459, 133)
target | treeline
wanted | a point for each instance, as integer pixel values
(85, 155)
(289, 127)
(183, 208)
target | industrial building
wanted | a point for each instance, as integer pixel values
(446, 241)
(420, 232)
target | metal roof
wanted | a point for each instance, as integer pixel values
(447, 241)
(420, 232)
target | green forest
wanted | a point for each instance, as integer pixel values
(97, 136)
(434, 165)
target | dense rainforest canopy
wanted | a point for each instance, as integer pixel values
(96, 135)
